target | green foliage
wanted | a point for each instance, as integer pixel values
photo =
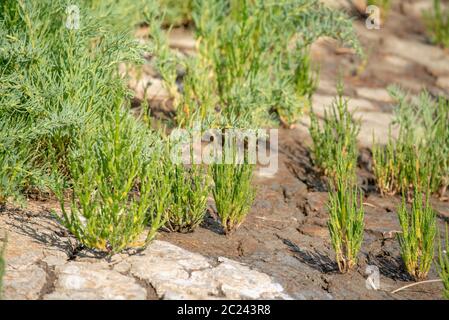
(346, 214)
(386, 166)
(419, 155)
(443, 263)
(57, 82)
(118, 186)
(418, 235)
(16, 173)
(437, 23)
(188, 197)
(338, 134)
(233, 191)
(335, 153)
(62, 101)
(10, 176)
(253, 62)
(177, 12)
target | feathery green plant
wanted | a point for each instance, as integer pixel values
(10, 176)
(60, 101)
(386, 4)
(233, 191)
(254, 58)
(386, 166)
(118, 186)
(56, 82)
(418, 235)
(338, 134)
(419, 155)
(437, 23)
(335, 153)
(188, 197)
(177, 12)
(443, 263)
(346, 213)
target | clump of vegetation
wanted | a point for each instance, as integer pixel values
(437, 23)
(335, 153)
(253, 62)
(338, 134)
(177, 13)
(188, 197)
(418, 234)
(233, 190)
(443, 263)
(57, 81)
(63, 105)
(419, 155)
(385, 167)
(60, 101)
(346, 213)
(10, 176)
(118, 187)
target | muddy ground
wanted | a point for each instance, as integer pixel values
(285, 234)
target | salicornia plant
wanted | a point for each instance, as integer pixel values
(346, 213)
(443, 263)
(16, 172)
(338, 133)
(59, 76)
(437, 23)
(11, 173)
(253, 59)
(418, 235)
(177, 12)
(233, 190)
(385, 166)
(118, 186)
(188, 197)
(419, 155)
